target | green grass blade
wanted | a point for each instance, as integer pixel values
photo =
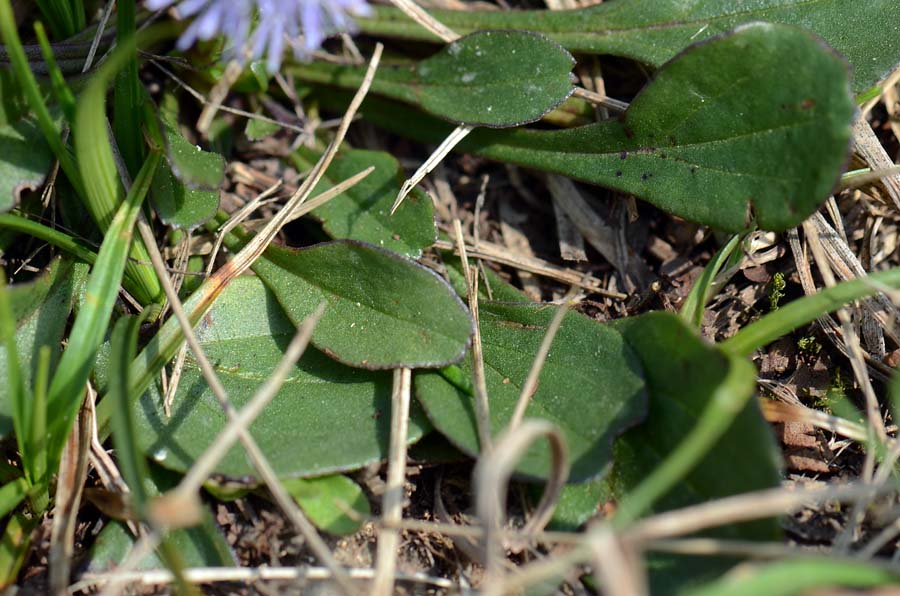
(127, 94)
(38, 432)
(14, 545)
(11, 494)
(695, 304)
(805, 310)
(60, 240)
(88, 331)
(59, 16)
(61, 91)
(20, 401)
(123, 344)
(103, 189)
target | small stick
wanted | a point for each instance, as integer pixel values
(446, 146)
(418, 14)
(482, 407)
(392, 500)
(531, 382)
(249, 575)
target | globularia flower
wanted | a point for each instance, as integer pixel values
(280, 22)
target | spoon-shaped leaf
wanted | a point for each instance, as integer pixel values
(326, 418)
(591, 386)
(384, 310)
(495, 78)
(730, 133)
(653, 31)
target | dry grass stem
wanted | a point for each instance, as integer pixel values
(482, 406)
(620, 568)
(446, 146)
(420, 16)
(205, 464)
(70, 482)
(392, 500)
(218, 94)
(247, 575)
(491, 479)
(857, 360)
(492, 252)
(534, 373)
(741, 508)
(600, 100)
(237, 112)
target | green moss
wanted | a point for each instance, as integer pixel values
(776, 290)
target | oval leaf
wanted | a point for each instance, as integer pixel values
(328, 502)
(496, 79)
(729, 134)
(384, 310)
(591, 386)
(326, 418)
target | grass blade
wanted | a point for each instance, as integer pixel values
(89, 328)
(131, 462)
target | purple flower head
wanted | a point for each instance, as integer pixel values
(280, 22)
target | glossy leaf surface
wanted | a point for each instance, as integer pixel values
(180, 206)
(495, 78)
(195, 168)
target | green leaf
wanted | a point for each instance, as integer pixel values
(728, 134)
(364, 212)
(683, 372)
(384, 310)
(41, 309)
(25, 159)
(195, 168)
(327, 501)
(179, 206)
(801, 576)
(123, 345)
(88, 330)
(257, 129)
(201, 546)
(327, 417)
(495, 78)
(653, 31)
(11, 494)
(577, 504)
(591, 386)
